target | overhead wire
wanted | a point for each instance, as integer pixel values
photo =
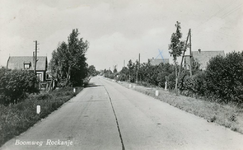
(218, 12)
(231, 11)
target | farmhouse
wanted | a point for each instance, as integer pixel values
(27, 63)
(156, 61)
(203, 57)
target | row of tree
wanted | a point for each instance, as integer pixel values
(221, 81)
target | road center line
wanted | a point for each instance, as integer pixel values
(117, 123)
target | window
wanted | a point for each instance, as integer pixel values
(39, 76)
(27, 65)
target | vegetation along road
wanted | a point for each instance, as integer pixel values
(106, 115)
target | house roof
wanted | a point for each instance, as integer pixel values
(203, 57)
(17, 62)
(155, 62)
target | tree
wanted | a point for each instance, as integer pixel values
(69, 61)
(115, 70)
(176, 48)
(123, 74)
(92, 71)
(59, 62)
(130, 67)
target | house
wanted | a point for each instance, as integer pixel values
(203, 57)
(27, 63)
(156, 61)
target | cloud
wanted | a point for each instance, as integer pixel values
(116, 30)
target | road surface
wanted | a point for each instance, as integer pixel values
(108, 116)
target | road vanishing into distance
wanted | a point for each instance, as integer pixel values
(109, 116)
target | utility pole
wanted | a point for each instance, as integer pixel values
(190, 47)
(35, 57)
(138, 67)
(188, 42)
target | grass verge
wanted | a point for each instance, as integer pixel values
(228, 115)
(17, 118)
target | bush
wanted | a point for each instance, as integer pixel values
(162, 78)
(171, 81)
(200, 84)
(184, 82)
(193, 85)
(14, 85)
(224, 77)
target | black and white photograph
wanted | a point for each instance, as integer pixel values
(121, 74)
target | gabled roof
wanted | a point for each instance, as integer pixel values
(203, 57)
(17, 62)
(155, 62)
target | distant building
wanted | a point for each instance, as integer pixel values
(203, 57)
(156, 61)
(27, 63)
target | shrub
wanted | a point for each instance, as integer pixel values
(171, 81)
(200, 84)
(184, 81)
(195, 84)
(14, 85)
(162, 78)
(122, 77)
(224, 77)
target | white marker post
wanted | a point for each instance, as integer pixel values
(166, 85)
(38, 109)
(130, 86)
(156, 93)
(74, 90)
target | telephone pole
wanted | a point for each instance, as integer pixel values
(35, 57)
(190, 47)
(138, 67)
(188, 43)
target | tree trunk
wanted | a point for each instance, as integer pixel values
(68, 76)
(176, 74)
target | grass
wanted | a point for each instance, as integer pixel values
(17, 118)
(228, 115)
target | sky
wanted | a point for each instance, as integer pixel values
(118, 31)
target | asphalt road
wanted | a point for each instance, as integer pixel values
(108, 116)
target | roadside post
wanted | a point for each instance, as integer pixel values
(38, 109)
(166, 85)
(156, 93)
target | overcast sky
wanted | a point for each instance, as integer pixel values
(118, 30)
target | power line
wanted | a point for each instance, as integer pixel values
(218, 12)
(231, 11)
(202, 23)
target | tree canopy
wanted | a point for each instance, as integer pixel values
(176, 45)
(176, 48)
(69, 61)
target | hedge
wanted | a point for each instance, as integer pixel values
(14, 85)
